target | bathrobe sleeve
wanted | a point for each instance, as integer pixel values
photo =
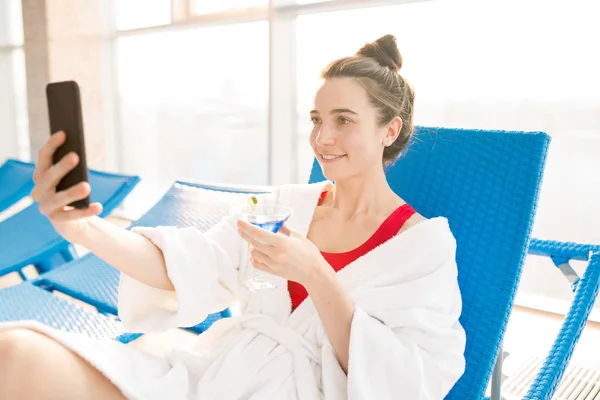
(203, 267)
(406, 341)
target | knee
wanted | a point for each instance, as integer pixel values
(17, 347)
(17, 357)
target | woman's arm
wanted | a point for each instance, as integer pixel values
(129, 252)
(336, 310)
(132, 254)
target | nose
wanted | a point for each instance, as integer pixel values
(325, 136)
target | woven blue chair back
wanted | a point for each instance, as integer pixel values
(182, 206)
(110, 189)
(16, 182)
(486, 183)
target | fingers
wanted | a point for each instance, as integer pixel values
(253, 232)
(260, 261)
(47, 176)
(46, 182)
(257, 244)
(258, 256)
(59, 170)
(45, 154)
(286, 231)
(57, 201)
(73, 214)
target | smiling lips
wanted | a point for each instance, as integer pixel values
(331, 157)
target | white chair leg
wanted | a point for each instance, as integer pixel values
(497, 376)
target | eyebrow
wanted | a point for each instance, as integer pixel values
(337, 111)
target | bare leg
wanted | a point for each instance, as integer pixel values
(34, 366)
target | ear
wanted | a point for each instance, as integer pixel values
(392, 132)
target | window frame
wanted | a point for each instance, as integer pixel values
(281, 14)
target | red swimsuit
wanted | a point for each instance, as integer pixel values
(388, 229)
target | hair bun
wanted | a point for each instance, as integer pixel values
(385, 51)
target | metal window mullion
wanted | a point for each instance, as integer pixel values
(201, 21)
(114, 141)
(180, 10)
(10, 47)
(336, 5)
(281, 15)
(282, 97)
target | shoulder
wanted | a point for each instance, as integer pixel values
(433, 240)
(434, 232)
(426, 249)
(413, 220)
(441, 236)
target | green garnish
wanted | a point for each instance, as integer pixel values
(252, 202)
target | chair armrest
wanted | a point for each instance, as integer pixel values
(586, 292)
(565, 250)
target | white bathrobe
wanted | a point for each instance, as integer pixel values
(406, 341)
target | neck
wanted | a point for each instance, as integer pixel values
(365, 194)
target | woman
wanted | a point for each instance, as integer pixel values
(367, 303)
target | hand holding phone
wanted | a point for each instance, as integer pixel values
(60, 172)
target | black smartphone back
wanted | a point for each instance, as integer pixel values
(64, 111)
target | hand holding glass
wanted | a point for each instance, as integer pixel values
(271, 218)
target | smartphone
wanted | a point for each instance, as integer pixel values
(64, 112)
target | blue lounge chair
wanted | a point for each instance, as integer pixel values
(29, 238)
(93, 281)
(16, 182)
(487, 184)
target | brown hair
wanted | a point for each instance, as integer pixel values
(375, 67)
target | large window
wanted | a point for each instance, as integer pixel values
(194, 103)
(14, 138)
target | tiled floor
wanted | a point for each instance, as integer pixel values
(528, 339)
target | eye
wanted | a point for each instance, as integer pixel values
(315, 120)
(344, 121)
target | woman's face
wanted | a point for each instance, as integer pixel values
(346, 138)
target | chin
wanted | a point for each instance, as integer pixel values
(332, 173)
(334, 170)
